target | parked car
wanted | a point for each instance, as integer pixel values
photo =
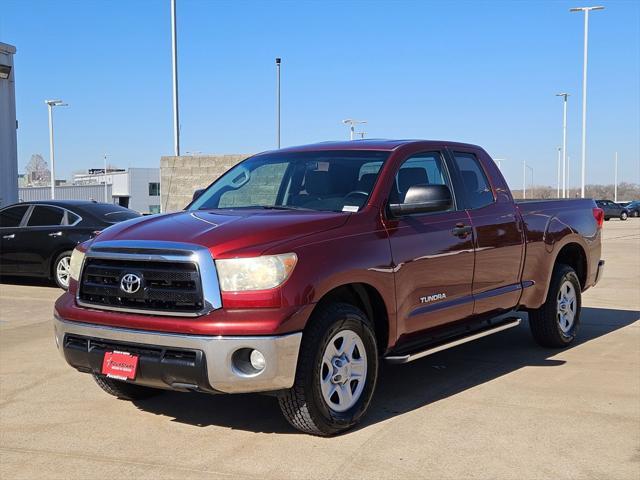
(633, 208)
(612, 210)
(37, 238)
(299, 270)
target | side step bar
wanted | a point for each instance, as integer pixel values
(509, 323)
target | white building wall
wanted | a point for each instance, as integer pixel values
(139, 180)
(8, 138)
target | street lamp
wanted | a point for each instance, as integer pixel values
(524, 178)
(564, 143)
(174, 64)
(586, 11)
(615, 185)
(558, 183)
(499, 162)
(278, 61)
(50, 105)
(352, 123)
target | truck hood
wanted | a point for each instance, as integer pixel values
(226, 233)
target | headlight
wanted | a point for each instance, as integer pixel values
(257, 273)
(77, 257)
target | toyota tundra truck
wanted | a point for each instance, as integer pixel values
(300, 270)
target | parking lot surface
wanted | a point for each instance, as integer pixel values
(500, 407)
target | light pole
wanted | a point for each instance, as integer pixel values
(174, 61)
(50, 105)
(558, 183)
(105, 178)
(524, 179)
(586, 11)
(499, 162)
(532, 185)
(352, 123)
(564, 143)
(615, 185)
(278, 60)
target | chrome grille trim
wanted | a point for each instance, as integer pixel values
(156, 251)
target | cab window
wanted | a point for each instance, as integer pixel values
(476, 185)
(44, 215)
(421, 169)
(12, 216)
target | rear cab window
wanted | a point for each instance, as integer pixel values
(477, 188)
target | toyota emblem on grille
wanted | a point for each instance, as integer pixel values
(130, 283)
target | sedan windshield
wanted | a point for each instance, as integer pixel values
(324, 181)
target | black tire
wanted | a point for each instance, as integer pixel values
(606, 219)
(54, 269)
(544, 321)
(624, 216)
(303, 405)
(635, 213)
(124, 390)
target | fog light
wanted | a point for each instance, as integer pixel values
(257, 360)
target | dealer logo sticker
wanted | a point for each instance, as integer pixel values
(130, 283)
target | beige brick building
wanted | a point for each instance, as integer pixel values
(181, 176)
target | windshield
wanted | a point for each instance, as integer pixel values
(338, 181)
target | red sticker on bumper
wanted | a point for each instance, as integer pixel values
(120, 365)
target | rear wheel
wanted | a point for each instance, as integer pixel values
(624, 216)
(556, 322)
(337, 372)
(61, 272)
(124, 390)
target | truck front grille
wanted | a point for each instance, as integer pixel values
(164, 287)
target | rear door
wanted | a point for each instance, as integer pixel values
(43, 236)
(433, 263)
(11, 219)
(498, 232)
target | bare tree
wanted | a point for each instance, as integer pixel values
(37, 170)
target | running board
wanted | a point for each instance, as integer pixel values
(510, 323)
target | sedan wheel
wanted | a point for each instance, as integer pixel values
(62, 273)
(623, 216)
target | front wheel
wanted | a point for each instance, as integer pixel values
(337, 372)
(556, 322)
(624, 216)
(61, 272)
(124, 390)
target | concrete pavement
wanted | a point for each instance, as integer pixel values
(500, 407)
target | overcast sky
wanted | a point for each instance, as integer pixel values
(479, 72)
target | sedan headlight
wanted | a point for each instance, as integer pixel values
(257, 273)
(77, 257)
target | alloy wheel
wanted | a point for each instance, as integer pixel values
(343, 371)
(567, 306)
(62, 271)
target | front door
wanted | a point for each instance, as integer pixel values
(10, 238)
(433, 260)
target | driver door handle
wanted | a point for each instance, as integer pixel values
(9, 237)
(461, 230)
(55, 234)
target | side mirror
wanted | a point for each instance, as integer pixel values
(197, 194)
(423, 199)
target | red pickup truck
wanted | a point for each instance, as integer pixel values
(299, 270)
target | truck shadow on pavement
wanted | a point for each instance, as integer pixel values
(401, 388)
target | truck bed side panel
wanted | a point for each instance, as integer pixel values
(550, 225)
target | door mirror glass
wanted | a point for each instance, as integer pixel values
(423, 199)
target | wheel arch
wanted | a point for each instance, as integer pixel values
(368, 299)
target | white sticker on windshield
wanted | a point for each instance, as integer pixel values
(350, 208)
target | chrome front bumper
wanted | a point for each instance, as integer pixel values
(280, 353)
